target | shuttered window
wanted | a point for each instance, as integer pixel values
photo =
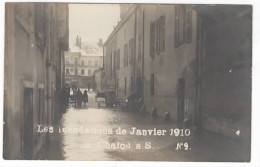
(152, 84)
(139, 46)
(126, 55)
(162, 34)
(131, 51)
(183, 24)
(176, 29)
(157, 34)
(188, 23)
(152, 39)
(118, 59)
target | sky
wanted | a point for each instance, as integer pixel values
(92, 21)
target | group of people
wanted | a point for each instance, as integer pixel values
(77, 96)
(80, 98)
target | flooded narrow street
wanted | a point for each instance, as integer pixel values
(128, 82)
(92, 140)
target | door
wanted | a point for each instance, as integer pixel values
(139, 87)
(27, 132)
(180, 100)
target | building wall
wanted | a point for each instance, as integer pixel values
(169, 66)
(124, 33)
(26, 68)
(201, 76)
(86, 63)
(226, 95)
(91, 63)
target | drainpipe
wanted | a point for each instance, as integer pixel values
(134, 49)
(103, 57)
(143, 86)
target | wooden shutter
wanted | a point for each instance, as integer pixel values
(118, 59)
(126, 55)
(157, 34)
(176, 24)
(188, 23)
(152, 39)
(162, 34)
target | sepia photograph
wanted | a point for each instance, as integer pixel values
(127, 82)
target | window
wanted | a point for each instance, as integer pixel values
(82, 71)
(115, 63)
(125, 85)
(89, 63)
(89, 72)
(183, 24)
(67, 71)
(132, 84)
(162, 34)
(176, 29)
(82, 62)
(124, 34)
(131, 51)
(152, 84)
(157, 33)
(76, 60)
(126, 55)
(117, 83)
(152, 39)
(117, 57)
(96, 63)
(139, 46)
(188, 23)
(157, 36)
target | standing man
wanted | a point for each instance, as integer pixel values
(79, 98)
(85, 97)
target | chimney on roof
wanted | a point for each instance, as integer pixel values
(78, 41)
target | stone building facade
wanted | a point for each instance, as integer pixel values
(170, 60)
(36, 36)
(142, 47)
(119, 56)
(185, 60)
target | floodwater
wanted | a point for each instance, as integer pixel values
(91, 133)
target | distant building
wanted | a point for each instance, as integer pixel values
(36, 36)
(81, 63)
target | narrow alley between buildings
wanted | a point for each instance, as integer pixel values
(134, 82)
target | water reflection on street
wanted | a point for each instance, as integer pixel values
(92, 145)
(86, 146)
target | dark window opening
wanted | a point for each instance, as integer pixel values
(152, 84)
